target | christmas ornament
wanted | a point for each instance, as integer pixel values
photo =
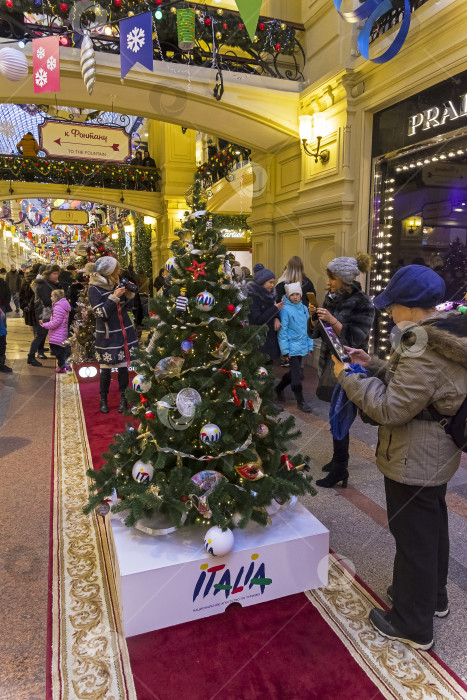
(170, 264)
(206, 481)
(169, 367)
(235, 374)
(142, 472)
(205, 301)
(218, 542)
(187, 400)
(262, 372)
(88, 63)
(13, 64)
(140, 384)
(231, 309)
(197, 269)
(149, 415)
(224, 348)
(251, 470)
(262, 430)
(186, 28)
(210, 433)
(218, 36)
(187, 346)
(102, 509)
(181, 302)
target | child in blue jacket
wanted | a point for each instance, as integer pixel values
(294, 343)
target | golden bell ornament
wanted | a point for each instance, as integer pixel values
(218, 35)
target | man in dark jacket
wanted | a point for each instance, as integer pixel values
(148, 162)
(13, 280)
(5, 294)
(66, 278)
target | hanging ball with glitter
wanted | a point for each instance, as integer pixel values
(210, 433)
(140, 384)
(205, 301)
(262, 372)
(187, 346)
(142, 472)
(219, 542)
(170, 264)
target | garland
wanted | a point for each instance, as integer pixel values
(142, 246)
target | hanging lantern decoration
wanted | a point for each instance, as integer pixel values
(88, 63)
(13, 64)
(186, 28)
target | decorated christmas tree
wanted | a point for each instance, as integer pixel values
(205, 445)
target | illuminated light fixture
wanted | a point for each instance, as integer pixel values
(21, 44)
(108, 31)
(158, 14)
(150, 220)
(434, 159)
(115, 235)
(308, 126)
(8, 233)
(128, 228)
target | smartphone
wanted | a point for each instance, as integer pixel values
(312, 298)
(336, 345)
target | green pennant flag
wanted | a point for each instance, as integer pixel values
(249, 12)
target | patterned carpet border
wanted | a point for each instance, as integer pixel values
(396, 669)
(89, 655)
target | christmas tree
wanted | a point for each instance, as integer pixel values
(208, 447)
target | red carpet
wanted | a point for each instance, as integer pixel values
(280, 649)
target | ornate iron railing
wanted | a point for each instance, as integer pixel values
(117, 176)
(221, 164)
(393, 17)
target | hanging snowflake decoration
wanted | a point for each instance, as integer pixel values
(135, 39)
(51, 63)
(40, 53)
(41, 77)
(8, 131)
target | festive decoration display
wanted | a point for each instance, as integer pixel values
(210, 433)
(136, 42)
(170, 264)
(186, 28)
(249, 11)
(142, 247)
(218, 542)
(13, 64)
(46, 64)
(142, 473)
(140, 384)
(208, 403)
(181, 304)
(262, 372)
(88, 63)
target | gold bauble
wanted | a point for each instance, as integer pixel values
(220, 11)
(174, 10)
(218, 35)
(198, 12)
(256, 39)
(131, 14)
(283, 26)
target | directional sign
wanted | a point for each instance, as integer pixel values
(449, 175)
(72, 217)
(84, 141)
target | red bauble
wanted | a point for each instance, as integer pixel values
(118, 3)
(278, 47)
(64, 7)
(100, 250)
(64, 42)
(208, 21)
(224, 26)
(158, 2)
(149, 415)
(261, 27)
(231, 309)
(9, 4)
(240, 26)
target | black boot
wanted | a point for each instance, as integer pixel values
(104, 389)
(279, 389)
(123, 403)
(328, 467)
(336, 475)
(340, 455)
(301, 403)
(4, 368)
(32, 361)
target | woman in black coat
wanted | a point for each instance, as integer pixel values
(43, 286)
(350, 312)
(264, 309)
(115, 334)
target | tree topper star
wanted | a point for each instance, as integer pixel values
(197, 269)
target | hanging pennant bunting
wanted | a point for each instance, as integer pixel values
(249, 12)
(136, 42)
(46, 64)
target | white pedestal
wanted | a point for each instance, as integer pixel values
(163, 581)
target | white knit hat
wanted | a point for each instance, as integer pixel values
(346, 269)
(293, 288)
(106, 265)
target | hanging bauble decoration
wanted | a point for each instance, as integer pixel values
(88, 63)
(210, 433)
(140, 384)
(186, 28)
(206, 481)
(262, 372)
(205, 301)
(13, 64)
(142, 472)
(169, 367)
(187, 400)
(187, 346)
(149, 415)
(218, 542)
(251, 470)
(170, 264)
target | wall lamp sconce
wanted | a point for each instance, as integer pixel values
(313, 126)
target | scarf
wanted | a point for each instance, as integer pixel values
(342, 412)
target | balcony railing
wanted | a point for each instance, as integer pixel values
(221, 42)
(393, 17)
(116, 176)
(221, 164)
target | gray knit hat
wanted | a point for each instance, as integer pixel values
(348, 269)
(106, 265)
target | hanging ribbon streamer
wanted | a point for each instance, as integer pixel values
(371, 11)
(206, 458)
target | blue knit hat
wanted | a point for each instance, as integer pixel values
(263, 275)
(258, 267)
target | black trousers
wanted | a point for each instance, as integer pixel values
(418, 521)
(123, 380)
(293, 376)
(40, 334)
(2, 349)
(61, 353)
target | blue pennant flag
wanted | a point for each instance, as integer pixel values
(136, 42)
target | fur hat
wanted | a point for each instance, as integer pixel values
(263, 275)
(103, 266)
(293, 288)
(348, 269)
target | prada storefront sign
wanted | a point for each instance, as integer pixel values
(435, 111)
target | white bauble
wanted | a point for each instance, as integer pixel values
(140, 384)
(13, 64)
(142, 473)
(262, 372)
(210, 433)
(170, 264)
(273, 508)
(205, 301)
(218, 542)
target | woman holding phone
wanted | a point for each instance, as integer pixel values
(349, 312)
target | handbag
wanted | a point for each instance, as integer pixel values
(46, 314)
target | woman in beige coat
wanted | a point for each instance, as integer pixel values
(427, 369)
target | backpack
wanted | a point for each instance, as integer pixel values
(455, 426)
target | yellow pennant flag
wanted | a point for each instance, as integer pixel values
(249, 12)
